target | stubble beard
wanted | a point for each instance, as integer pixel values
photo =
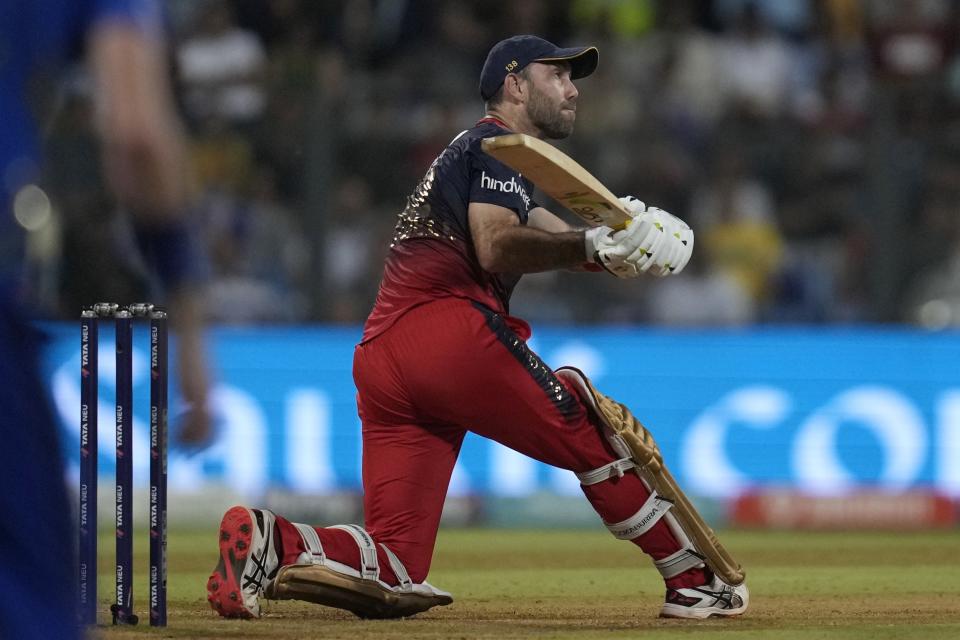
(548, 117)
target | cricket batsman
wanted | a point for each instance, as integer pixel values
(441, 355)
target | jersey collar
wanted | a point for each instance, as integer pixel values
(493, 120)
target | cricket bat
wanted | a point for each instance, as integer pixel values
(560, 177)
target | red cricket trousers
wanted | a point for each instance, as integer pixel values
(443, 369)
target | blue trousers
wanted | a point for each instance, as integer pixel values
(37, 542)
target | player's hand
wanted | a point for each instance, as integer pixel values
(194, 424)
(667, 251)
(601, 250)
(613, 249)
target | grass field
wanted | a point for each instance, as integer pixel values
(585, 584)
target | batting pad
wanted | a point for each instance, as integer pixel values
(318, 579)
(364, 597)
(631, 439)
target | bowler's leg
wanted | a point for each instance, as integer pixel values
(37, 579)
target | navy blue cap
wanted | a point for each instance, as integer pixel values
(513, 54)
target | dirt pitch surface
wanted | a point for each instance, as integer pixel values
(585, 584)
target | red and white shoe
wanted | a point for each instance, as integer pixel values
(717, 599)
(248, 559)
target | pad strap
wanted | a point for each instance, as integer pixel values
(369, 567)
(643, 520)
(677, 563)
(613, 470)
(312, 540)
(406, 584)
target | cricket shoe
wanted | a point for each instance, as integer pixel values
(248, 558)
(715, 599)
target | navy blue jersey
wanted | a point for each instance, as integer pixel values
(37, 37)
(432, 254)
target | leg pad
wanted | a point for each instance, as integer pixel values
(630, 438)
(318, 579)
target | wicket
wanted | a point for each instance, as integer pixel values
(123, 318)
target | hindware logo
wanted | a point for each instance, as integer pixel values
(505, 186)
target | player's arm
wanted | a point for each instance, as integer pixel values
(503, 245)
(143, 146)
(540, 218)
(145, 163)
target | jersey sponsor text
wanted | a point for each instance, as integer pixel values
(505, 186)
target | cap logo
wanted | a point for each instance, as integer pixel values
(513, 64)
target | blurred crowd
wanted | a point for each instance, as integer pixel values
(814, 147)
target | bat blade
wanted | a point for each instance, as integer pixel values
(560, 177)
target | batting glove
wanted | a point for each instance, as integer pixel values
(669, 247)
(612, 249)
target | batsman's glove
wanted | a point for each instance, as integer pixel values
(653, 241)
(668, 247)
(610, 249)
